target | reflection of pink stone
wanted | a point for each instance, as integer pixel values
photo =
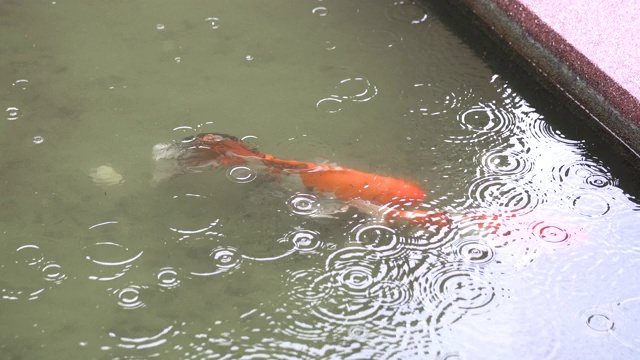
(598, 42)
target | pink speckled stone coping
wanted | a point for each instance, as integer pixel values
(597, 41)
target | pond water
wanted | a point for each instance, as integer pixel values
(98, 263)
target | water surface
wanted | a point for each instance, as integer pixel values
(206, 266)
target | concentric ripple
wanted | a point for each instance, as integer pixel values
(304, 241)
(374, 236)
(405, 11)
(554, 231)
(129, 297)
(583, 174)
(303, 204)
(356, 89)
(168, 278)
(539, 129)
(620, 320)
(355, 270)
(391, 293)
(485, 121)
(112, 260)
(451, 283)
(13, 113)
(379, 38)
(627, 315)
(151, 345)
(599, 320)
(224, 259)
(473, 250)
(507, 162)
(241, 174)
(502, 193)
(27, 273)
(308, 286)
(591, 203)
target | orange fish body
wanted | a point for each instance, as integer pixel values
(370, 193)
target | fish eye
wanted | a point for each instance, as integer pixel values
(212, 138)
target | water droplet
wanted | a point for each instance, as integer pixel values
(22, 84)
(214, 21)
(303, 204)
(473, 250)
(320, 11)
(13, 113)
(129, 298)
(168, 278)
(38, 140)
(241, 174)
(303, 240)
(600, 322)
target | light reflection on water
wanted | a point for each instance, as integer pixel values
(541, 259)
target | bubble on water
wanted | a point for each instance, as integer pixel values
(38, 140)
(160, 26)
(241, 174)
(129, 297)
(320, 11)
(214, 21)
(13, 113)
(406, 11)
(168, 278)
(177, 59)
(248, 57)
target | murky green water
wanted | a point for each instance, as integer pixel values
(205, 267)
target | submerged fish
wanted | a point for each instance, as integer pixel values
(391, 199)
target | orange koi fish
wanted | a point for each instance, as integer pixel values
(376, 195)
